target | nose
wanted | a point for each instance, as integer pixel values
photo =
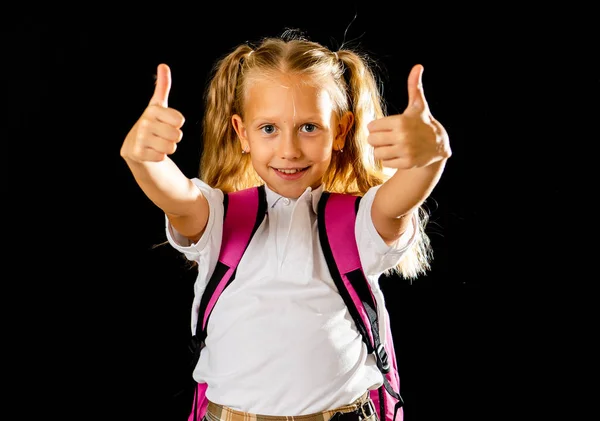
(288, 147)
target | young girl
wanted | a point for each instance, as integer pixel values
(300, 119)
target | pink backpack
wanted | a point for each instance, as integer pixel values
(336, 218)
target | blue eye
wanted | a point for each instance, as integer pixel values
(268, 128)
(309, 128)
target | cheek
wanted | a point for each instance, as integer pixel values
(320, 152)
(259, 148)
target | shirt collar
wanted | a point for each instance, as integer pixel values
(309, 194)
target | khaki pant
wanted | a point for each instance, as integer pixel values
(216, 412)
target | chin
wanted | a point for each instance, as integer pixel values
(293, 192)
(291, 189)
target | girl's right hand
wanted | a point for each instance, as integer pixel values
(157, 132)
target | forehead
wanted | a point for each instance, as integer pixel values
(285, 92)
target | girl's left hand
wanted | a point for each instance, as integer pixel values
(413, 139)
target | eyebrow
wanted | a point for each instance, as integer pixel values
(312, 117)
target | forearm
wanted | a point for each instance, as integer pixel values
(406, 190)
(400, 196)
(166, 186)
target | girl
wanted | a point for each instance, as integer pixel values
(301, 119)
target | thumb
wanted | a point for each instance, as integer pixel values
(163, 86)
(416, 95)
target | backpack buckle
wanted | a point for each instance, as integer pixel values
(382, 359)
(194, 345)
(367, 410)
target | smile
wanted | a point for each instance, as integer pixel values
(290, 170)
(290, 174)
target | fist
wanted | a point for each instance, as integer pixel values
(413, 139)
(158, 131)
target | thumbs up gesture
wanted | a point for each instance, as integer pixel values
(413, 139)
(157, 132)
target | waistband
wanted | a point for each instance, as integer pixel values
(363, 408)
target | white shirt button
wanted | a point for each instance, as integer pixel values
(286, 201)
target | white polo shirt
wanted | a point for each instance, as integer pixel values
(280, 340)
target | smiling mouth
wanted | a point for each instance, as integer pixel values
(290, 171)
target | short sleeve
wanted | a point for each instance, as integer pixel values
(376, 256)
(205, 251)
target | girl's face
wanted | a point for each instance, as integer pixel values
(290, 131)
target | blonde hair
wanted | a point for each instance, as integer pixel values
(354, 87)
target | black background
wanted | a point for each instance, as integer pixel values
(111, 319)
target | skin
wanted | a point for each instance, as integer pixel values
(288, 126)
(417, 146)
(146, 151)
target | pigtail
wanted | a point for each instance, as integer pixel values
(222, 164)
(365, 100)
(355, 170)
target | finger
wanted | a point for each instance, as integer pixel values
(391, 159)
(386, 124)
(382, 138)
(161, 145)
(166, 131)
(169, 116)
(387, 153)
(416, 95)
(163, 86)
(151, 153)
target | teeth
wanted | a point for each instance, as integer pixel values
(294, 171)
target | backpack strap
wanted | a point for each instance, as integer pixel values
(336, 222)
(238, 229)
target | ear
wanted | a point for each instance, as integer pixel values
(343, 127)
(240, 129)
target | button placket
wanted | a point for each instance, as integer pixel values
(298, 245)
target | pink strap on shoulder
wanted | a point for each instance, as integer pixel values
(340, 224)
(237, 230)
(340, 216)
